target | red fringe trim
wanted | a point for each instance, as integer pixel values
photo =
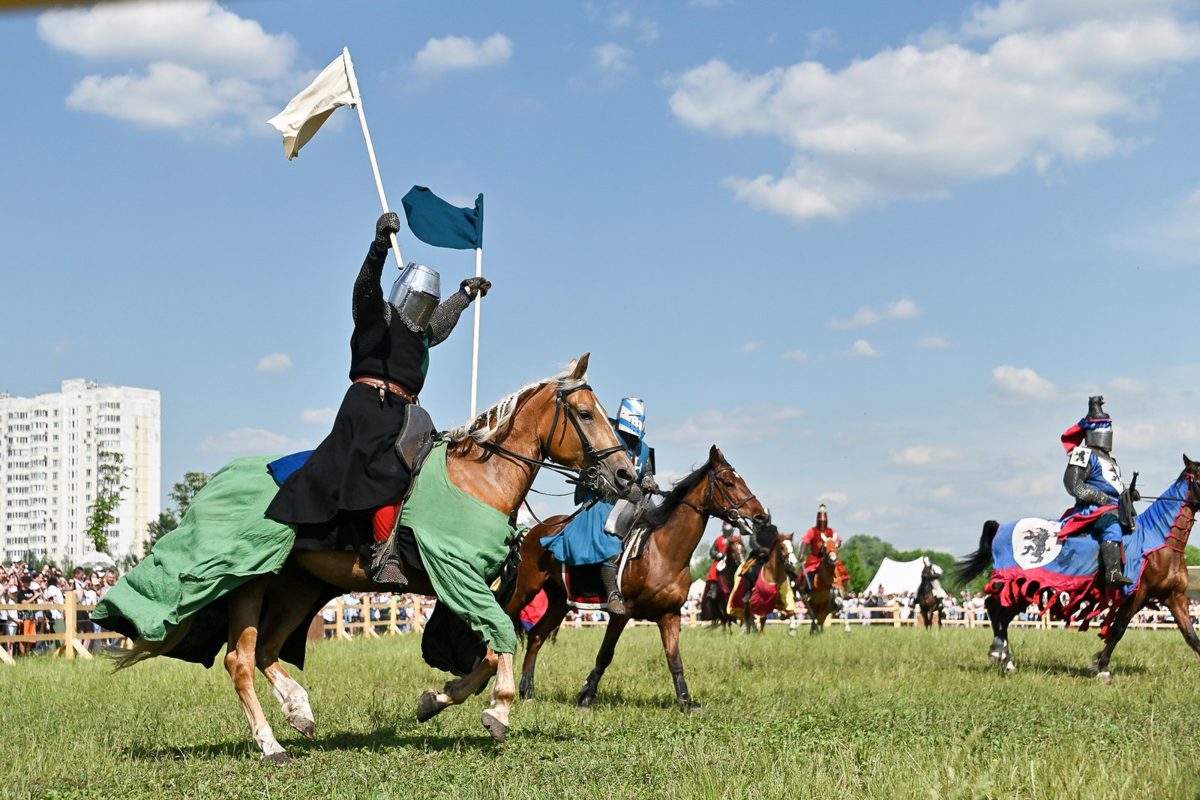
(1078, 609)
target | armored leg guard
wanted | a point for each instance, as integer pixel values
(1111, 566)
(608, 577)
(385, 564)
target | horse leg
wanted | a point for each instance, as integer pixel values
(556, 611)
(245, 607)
(496, 716)
(282, 618)
(616, 624)
(1116, 629)
(668, 628)
(433, 702)
(1178, 603)
(1000, 653)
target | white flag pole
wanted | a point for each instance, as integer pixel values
(362, 117)
(475, 347)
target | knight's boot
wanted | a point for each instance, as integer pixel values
(608, 577)
(1111, 566)
(385, 565)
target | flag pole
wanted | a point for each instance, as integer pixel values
(362, 117)
(475, 347)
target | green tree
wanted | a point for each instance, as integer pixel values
(870, 551)
(110, 483)
(1191, 555)
(182, 493)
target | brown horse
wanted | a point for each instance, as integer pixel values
(495, 460)
(928, 602)
(655, 584)
(715, 603)
(1161, 535)
(828, 588)
(778, 570)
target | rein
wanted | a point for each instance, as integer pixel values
(731, 511)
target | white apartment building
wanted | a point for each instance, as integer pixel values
(50, 446)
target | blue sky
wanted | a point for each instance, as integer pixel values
(880, 252)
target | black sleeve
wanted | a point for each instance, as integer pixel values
(369, 309)
(445, 317)
(1074, 480)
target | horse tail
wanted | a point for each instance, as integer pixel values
(144, 649)
(971, 566)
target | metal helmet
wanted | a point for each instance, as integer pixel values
(1097, 425)
(631, 418)
(822, 518)
(416, 294)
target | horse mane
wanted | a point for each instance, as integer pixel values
(497, 422)
(656, 517)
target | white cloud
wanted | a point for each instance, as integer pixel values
(249, 440)
(200, 33)
(748, 425)
(1022, 383)
(1130, 386)
(795, 355)
(1046, 85)
(461, 52)
(900, 310)
(818, 40)
(612, 57)
(918, 455)
(318, 416)
(837, 498)
(275, 362)
(198, 69)
(751, 347)
(934, 343)
(862, 349)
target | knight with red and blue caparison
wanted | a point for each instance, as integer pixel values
(1103, 504)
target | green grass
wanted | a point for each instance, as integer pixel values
(878, 713)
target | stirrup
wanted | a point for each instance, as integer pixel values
(616, 604)
(385, 565)
(1118, 578)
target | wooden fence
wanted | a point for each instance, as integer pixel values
(408, 614)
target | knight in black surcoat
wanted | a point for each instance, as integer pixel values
(345, 496)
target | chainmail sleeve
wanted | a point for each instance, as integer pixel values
(714, 552)
(371, 312)
(445, 317)
(1074, 479)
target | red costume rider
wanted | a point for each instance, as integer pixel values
(813, 544)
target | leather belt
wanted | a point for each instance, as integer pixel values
(387, 386)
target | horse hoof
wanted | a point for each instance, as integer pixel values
(1010, 668)
(303, 724)
(692, 708)
(791, 632)
(1106, 676)
(994, 658)
(428, 706)
(495, 727)
(280, 759)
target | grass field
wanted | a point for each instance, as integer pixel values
(875, 713)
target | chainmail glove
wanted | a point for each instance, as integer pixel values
(387, 224)
(475, 287)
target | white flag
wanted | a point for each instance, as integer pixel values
(308, 110)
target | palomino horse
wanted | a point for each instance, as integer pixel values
(928, 603)
(655, 584)
(495, 460)
(825, 582)
(715, 603)
(1161, 535)
(778, 571)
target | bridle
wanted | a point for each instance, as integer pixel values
(590, 476)
(728, 510)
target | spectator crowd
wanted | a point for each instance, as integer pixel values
(23, 584)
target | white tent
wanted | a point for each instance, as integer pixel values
(897, 577)
(696, 590)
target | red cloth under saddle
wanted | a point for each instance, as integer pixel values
(385, 520)
(762, 601)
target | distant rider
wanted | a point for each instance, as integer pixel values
(1093, 478)
(813, 544)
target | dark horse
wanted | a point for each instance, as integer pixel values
(655, 584)
(928, 603)
(1164, 526)
(777, 571)
(715, 603)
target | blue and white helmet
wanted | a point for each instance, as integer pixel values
(631, 418)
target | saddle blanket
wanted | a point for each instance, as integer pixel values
(766, 598)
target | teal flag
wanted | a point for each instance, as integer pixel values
(436, 222)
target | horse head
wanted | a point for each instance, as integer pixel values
(574, 431)
(727, 496)
(829, 548)
(1191, 471)
(735, 552)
